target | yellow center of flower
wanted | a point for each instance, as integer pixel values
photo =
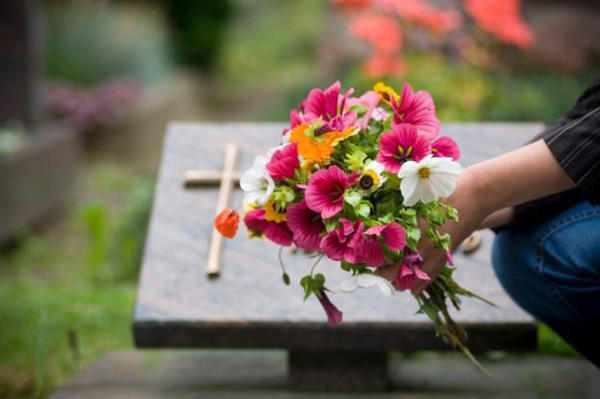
(424, 173)
(272, 214)
(370, 179)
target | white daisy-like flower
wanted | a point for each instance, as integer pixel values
(372, 177)
(428, 180)
(256, 182)
(353, 283)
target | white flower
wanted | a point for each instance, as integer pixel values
(428, 180)
(365, 281)
(256, 182)
(372, 177)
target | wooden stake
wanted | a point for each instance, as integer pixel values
(212, 265)
(208, 177)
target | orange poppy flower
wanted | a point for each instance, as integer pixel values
(227, 222)
(317, 149)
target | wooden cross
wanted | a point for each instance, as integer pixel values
(225, 178)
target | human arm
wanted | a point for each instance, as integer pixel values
(489, 187)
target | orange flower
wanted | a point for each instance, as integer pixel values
(227, 222)
(317, 149)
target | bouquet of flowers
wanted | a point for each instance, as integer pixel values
(351, 180)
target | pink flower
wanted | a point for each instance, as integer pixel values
(325, 190)
(330, 107)
(306, 226)
(334, 316)
(284, 163)
(393, 235)
(256, 223)
(445, 146)
(370, 252)
(409, 272)
(295, 120)
(370, 100)
(343, 243)
(348, 243)
(401, 144)
(416, 109)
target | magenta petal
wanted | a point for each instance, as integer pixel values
(417, 109)
(279, 233)
(421, 275)
(405, 279)
(394, 237)
(372, 253)
(445, 146)
(401, 144)
(332, 246)
(255, 220)
(449, 258)
(334, 316)
(375, 230)
(306, 226)
(347, 226)
(284, 163)
(325, 190)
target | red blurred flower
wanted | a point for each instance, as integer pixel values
(227, 222)
(382, 32)
(502, 19)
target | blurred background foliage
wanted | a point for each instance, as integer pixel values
(67, 290)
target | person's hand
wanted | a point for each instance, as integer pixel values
(469, 199)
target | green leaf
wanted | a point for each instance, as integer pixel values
(330, 224)
(413, 236)
(452, 213)
(352, 197)
(355, 158)
(283, 196)
(359, 109)
(363, 208)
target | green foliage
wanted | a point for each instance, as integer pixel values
(313, 284)
(283, 196)
(67, 297)
(198, 29)
(89, 42)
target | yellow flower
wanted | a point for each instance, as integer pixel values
(272, 214)
(385, 92)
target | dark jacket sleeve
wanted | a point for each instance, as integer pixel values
(574, 140)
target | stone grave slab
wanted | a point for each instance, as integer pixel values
(249, 307)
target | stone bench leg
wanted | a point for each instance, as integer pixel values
(338, 370)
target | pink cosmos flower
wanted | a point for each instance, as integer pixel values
(326, 188)
(284, 163)
(348, 243)
(306, 226)
(401, 144)
(416, 109)
(393, 235)
(370, 100)
(334, 316)
(409, 272)
(256, 223)
(445, 146)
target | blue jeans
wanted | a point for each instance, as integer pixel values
(552, 270)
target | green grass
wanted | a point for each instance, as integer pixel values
(67, 295)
